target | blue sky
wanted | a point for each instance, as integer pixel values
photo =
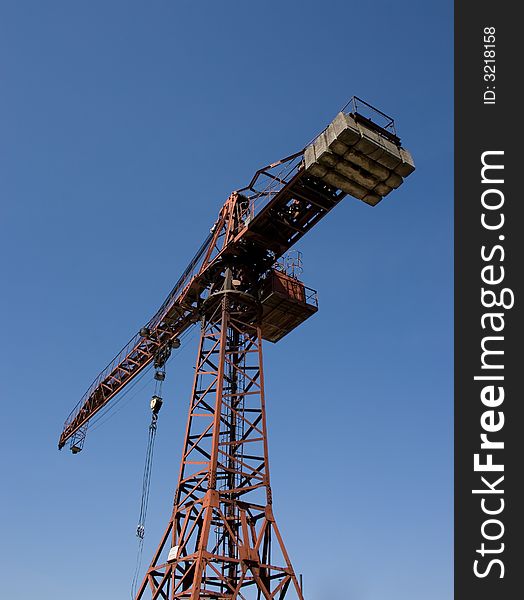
(124, 126)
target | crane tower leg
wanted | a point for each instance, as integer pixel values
(222, 541)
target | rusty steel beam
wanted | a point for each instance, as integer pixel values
(222, 540)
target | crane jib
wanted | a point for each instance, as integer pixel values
(260, 222)
(164, 325)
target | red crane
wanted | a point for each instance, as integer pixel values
(222, 540)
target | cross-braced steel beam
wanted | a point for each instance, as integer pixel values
(222, 541)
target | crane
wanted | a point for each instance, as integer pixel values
(222, 540)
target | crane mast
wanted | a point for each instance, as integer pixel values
(222, 540)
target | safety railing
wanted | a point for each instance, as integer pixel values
(371, 113)
(270, 180)
(311, 296)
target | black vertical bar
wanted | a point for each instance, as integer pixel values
(489, 536)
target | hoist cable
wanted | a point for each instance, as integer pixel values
(146, 484)
(146, 481)
(137, 567)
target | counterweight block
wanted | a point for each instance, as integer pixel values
(359, 157)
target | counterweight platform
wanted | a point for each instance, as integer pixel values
(286, 303)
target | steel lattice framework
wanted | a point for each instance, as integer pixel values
(222, 540)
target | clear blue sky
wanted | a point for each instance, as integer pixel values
(124, 125)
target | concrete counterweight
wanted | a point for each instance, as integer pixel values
(361, 159)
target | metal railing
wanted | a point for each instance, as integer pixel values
(364, 109)
(270, 180)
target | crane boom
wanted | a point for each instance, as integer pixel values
(258, 224)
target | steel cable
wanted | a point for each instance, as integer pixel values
(146, 485)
